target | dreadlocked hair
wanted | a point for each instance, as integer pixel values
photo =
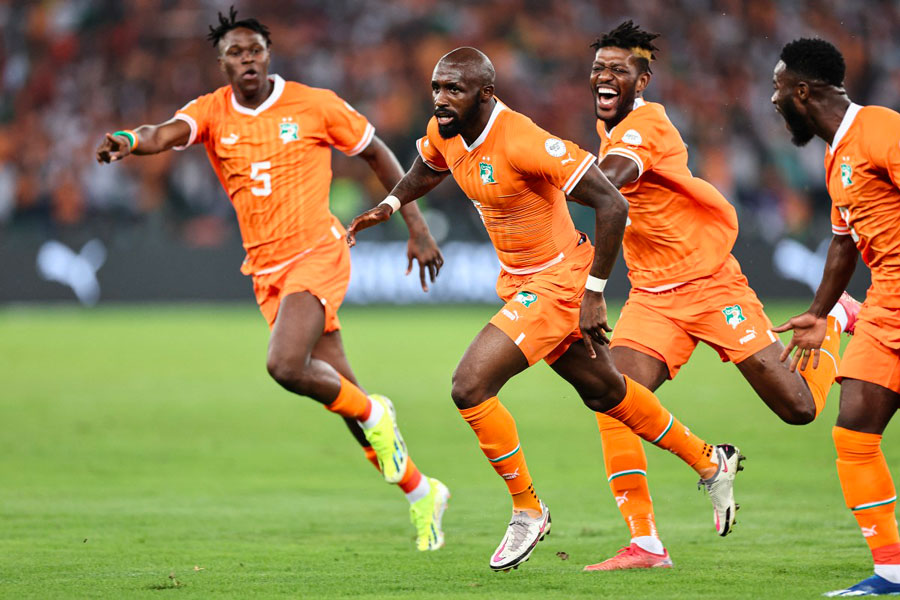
(630, 37)
(816, 59)
(230, 22)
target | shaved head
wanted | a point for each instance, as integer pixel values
(474, 66)
(462, 86)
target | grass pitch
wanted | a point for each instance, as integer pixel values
(145, 453)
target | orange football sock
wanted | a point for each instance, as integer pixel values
(868, 491)
(626, 470)
(372, 457)
(641, 411)
(411, 477)
(499, 440)
(819, 380)
(351, 402)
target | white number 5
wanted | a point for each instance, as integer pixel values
(263, 178)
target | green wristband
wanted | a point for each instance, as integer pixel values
(132, 140)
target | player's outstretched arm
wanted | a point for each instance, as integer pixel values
(611, 212)
(418, 181)
(146, 139)
(809, 327)
(421, 246)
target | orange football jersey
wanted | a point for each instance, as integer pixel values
(274, 162)
(680, 227)
(862, 170)
(517, 175)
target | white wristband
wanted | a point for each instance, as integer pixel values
(393, 202)
(595, 284)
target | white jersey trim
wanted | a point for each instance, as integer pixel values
(367, 137)
(579, 173)
(294, 259)
(193, 125)
(846, 122)
(662, 288)
(530, 270)
(632, 155)
(430, 165)
(277, 89)
(498, 108)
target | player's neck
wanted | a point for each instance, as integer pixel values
(254, 100)
(472, 132)
(830, 116)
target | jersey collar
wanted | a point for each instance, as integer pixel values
(846, 122)
(277, 89)
(638, 102)
(498, 108)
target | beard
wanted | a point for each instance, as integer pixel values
(455, 127)
(625, 106)
(801, 132)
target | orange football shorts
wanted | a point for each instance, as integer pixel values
(542, 309)
(720, 310)
(873, 354)
(323, 271)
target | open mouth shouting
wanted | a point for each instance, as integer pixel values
(607, 98)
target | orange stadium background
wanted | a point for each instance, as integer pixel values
(161, 228)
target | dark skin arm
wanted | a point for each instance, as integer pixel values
(619, 170)
(418, 181)
(611, 210)
(809, 327)
(152, 139)
(421, 246)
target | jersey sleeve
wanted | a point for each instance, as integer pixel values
(345, 128)
(838, 225)
(639, 137)
(197, 114)
(429, 148)
(534, 152)
(882, 135)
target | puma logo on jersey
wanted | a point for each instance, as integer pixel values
(620, 500)
(869, 531)
(568, 160)
(230, 140)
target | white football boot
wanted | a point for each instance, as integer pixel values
(522, 535)
(720, 487)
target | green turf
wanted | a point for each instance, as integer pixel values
(145, 453)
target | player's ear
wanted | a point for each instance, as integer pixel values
(487, 92)
(802, 91)
(642, 82)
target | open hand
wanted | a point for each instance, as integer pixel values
(373, 216)
(422, 248)
(809, 333)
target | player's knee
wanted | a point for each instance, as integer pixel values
(795, 411)
(800, 414)
(604, 394)
(467, 391)
(289, 372)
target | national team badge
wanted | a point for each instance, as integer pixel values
(526, 298)
(734, 316)
(486, 171)
(288, 131)
(846, 172)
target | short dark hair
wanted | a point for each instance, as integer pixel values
(816, 59)
(230, 22)
(628, 36)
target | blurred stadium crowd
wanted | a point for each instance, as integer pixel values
(74, 69)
